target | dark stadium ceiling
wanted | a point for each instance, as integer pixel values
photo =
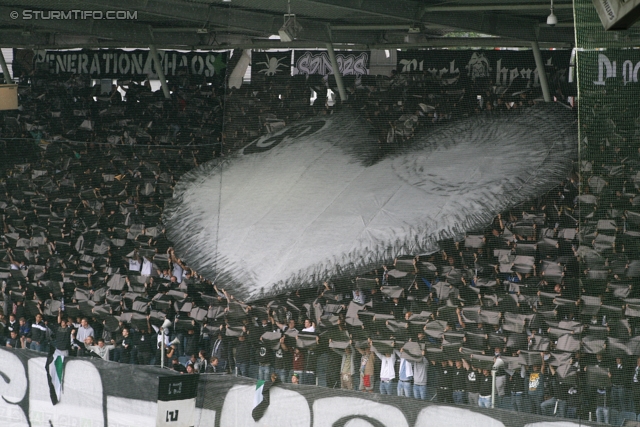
(219, 24)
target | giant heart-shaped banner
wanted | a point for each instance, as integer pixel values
(323, 197)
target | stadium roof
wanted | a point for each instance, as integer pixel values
(220, 24)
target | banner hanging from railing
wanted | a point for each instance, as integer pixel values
(99, 393)
(119, 63)
(502, 67)
(270, 64)
(352, 63)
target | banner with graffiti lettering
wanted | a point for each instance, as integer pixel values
(99, 394)
(119, 63)
(270, 64)
(352, 63)
(501, 67)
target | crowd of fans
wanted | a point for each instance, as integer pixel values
(548, 288)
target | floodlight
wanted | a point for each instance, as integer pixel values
(289, 31)
(552, 20)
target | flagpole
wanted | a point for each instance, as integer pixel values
(162, 350)
(493, 387)
(164, 326)
(494, 370)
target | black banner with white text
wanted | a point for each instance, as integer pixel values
(502, 67)
(119, 63)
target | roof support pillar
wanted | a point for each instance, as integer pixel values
(542, 74)
(159, 71)
(336, 72)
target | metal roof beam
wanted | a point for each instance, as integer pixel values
(16, 39)
(220, 15)
(498, 7)
(409, 11)
(486, 23)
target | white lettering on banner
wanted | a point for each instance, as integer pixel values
(136, 64)
(414, 65)
(82, 63)
(132, 63)
(630, 72)
(83, 403)
(209, 60)
(606, 69)
(442, 71)
(197, 65)
(124, 64)
(503, 80)
(411, 65)
(477, 67)
(336, 411)
(95, 65)
(13, 389)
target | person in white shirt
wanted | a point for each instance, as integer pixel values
(101, 349)
(387, 370)
(84, 331)
(308, 326)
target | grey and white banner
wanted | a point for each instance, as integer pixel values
(100, 394)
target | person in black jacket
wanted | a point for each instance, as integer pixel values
(219, 349)
(63, 335)
(145, 343)
(38, 334)
(213, 366)
(445, 375)
(192, 339)
(472, 384)
(13, 341)
(485, 389)
(243, 355)
(619, 384)
(554, 404)
(177, 366)
(516, 383)
(458, 383)
(124, 348)
(264, 356)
